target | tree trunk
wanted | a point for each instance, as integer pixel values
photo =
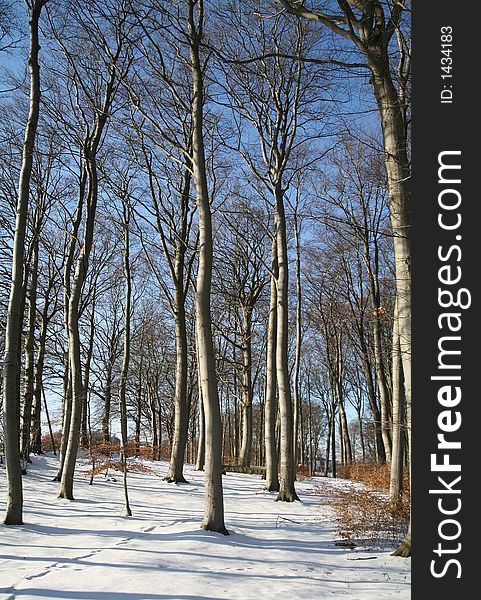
(66, 415)
(398, 175)
(246, 446)
(376, 415)
(30, 350)
(297, 362)
(199, 465)
(270, 402)
(396, 476)
(107, 404)
(328, 446)
(181, 423)
(287, 492)
(214, 501)
(153, 425)
(13, 331)
(52, 439)
(36, 439)
(384, 397)
(361, 436)
(126, 358)
(333, 441)
(78, 391)
(84, 422)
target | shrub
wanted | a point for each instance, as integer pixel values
(369, 518)
(364, 513)
(373, 475)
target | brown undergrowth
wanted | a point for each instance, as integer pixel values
(104, 458)
(365, 516)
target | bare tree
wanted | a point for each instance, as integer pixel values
(11, 376)
(371, 27)
(214, 501)
(241, 278)
(271, 96)
(124, 192)
(96, 84)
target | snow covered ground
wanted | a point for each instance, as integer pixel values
(87, 550)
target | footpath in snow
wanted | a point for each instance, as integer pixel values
(87, 550)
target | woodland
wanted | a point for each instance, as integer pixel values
(205, 243)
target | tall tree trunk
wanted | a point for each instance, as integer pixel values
(376, 415)
(78, 391)
(270, 401)
(52, 439)
(153, 425)
(333, 440)
(396, 476)
(246, 446)
(361, 436)
(398, 175)
(199, 465)
(13, 331)
(107, 403)
(384, 396)
(30, 349)
(344, 438)
(214, 501)
(36, 439)
(138, 416)
(66, 415)
(287, 492)
(126, 358)
(328, 446)
(297, 362)
(181, 422)
(84, 422)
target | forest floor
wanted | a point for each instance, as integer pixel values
(87, 550)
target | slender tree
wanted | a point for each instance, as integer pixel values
(371, 27)
(214, 501)
(11, 377)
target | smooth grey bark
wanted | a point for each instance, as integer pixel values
(126, 357)
(214, 501)
(181, 423)
(13, 331)
(333, 440)
(346, 453)
(181, 404)
(310, 453)
(247, 392)
(199, 464)
(270, 401)
(107, 397)
(384, 395)
(84, 421)
(49, 423)
(78, 390)
(46, 315)
(398, 174)
(30, 347)
(328, 447)
(376, 414)
(67, 286)
(287, 492)
(396, 474)
(66, 415)
(297, 360)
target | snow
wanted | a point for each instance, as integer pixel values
(87, 550)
